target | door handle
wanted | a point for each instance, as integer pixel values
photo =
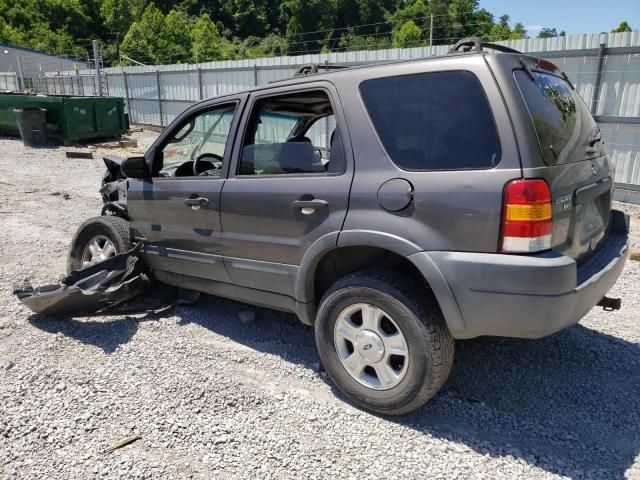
(309, 206)
(196, 203)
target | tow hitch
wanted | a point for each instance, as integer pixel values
(610, 304)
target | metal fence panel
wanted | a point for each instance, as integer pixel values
(156, 95)
(623, 143)
(8, 81)
(179, 85)
(266, 76)
(620, 91)
(145, 112)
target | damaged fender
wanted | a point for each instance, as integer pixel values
(90, 291)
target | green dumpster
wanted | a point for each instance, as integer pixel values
(69, 119)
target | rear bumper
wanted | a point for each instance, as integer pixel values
(522, 296)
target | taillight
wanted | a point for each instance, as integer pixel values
(526, 216)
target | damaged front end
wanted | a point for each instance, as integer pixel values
(114, 189)
(91, 291)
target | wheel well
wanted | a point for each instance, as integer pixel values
(345, 260)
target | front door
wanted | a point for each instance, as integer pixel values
(288, 187)
(177, 210)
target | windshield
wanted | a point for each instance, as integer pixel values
(561, 120)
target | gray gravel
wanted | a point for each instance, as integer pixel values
(211, 397)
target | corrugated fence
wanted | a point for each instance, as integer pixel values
(604, 67)
(8, 81)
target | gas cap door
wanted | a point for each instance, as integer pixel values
(395, 194)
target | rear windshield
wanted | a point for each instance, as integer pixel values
(561, 120)
(433, 121)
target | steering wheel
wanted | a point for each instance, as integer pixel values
(205, 157)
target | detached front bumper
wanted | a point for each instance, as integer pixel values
(522, 296)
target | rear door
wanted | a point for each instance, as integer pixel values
(573, 159)
(288, 187)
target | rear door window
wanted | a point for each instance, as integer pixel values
(560, 118)
(433, 121)
(288, 134)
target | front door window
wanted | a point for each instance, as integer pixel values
(197, 148)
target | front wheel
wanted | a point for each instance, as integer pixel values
(98, 239)
(383, 342)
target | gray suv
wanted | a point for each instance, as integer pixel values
(394, 207)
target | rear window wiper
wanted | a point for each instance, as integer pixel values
(527, 69)
(531, 75)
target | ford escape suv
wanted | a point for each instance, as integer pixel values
(395, 207)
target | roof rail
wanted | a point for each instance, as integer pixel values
(466, 44)
(311, 68)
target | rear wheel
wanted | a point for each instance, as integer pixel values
(383, 342)
(96, 240)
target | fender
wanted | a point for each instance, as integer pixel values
(442, 291)
(304, 287)
(372, 238)
(304, 292)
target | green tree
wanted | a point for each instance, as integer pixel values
(417, 11)
(177, 27)
(409, 35)
(623, 27)
(548, 33)
(367, 15)
(206, 43)
(484, 23)
(68, 15)
(350, 13)
(519, 31)
(349, 41)
(144, 42)
(118, 17)
(311, 17)
(164, 31)
(499, 32)
(273, 45)
(462, 18)
(441, 22)
(502, 31)
(248, 17)
(9, 34)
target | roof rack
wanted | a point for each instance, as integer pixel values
(311, 68)
(466, 44)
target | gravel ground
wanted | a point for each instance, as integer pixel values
(210, 397)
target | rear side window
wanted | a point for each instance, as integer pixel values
(284, 136)
(561, 120)
(433, 121)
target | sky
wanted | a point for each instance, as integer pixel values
(572, 16)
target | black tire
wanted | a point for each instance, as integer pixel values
(115, 229)
(418, 316)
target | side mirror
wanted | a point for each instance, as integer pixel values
(135, 167)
